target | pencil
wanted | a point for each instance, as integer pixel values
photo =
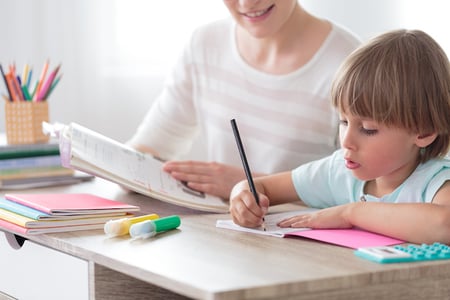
(41, 80)
(46, 86)
(25, 74)
(248, 173)
(6, 82)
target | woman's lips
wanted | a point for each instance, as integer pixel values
(258, 14)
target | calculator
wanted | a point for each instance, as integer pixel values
(407, 253)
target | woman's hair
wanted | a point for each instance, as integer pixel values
(399, 79)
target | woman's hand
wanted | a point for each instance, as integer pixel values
(209, 177)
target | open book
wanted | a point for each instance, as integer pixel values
(88, 151)
(351, 238)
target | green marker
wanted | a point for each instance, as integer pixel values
(149, 228)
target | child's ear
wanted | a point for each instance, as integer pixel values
(423, 140)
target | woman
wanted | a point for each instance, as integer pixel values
(270, 67)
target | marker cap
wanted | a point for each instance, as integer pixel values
(115, 227)
(122, 226)
(167, 223)
(149, 228)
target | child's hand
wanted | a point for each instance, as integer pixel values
(245, 211)
(333, 217)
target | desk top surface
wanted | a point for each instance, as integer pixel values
(201, 261)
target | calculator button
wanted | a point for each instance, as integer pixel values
(407, 253)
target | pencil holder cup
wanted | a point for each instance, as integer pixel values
(24, 122)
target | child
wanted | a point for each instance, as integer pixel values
(390, 175)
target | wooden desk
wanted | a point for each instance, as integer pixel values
(201, 261)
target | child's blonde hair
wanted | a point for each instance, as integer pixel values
(399, 79)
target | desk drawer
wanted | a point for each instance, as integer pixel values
(37, 272)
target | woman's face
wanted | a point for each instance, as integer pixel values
(261, 18)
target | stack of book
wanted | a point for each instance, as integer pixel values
(33, 165)
(28, 214)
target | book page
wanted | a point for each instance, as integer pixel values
(101, 156)
(271, 221)
(116, 158)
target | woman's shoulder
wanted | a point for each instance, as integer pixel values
(343, 36)
(339, 43)
(213, 31)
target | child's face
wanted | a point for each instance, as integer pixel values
(261, 18)
(375, 151)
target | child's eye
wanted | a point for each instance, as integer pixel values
(369, 131)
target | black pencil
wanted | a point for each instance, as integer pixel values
(6, 82)
(248, 173)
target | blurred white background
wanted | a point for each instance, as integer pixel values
(115, 53)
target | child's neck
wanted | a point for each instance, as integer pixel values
(378, 189)
(385, 185)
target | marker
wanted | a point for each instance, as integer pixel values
(122, 226)
(149, 228)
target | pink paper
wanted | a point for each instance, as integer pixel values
(352, 238)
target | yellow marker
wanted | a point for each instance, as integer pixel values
(122, 226)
